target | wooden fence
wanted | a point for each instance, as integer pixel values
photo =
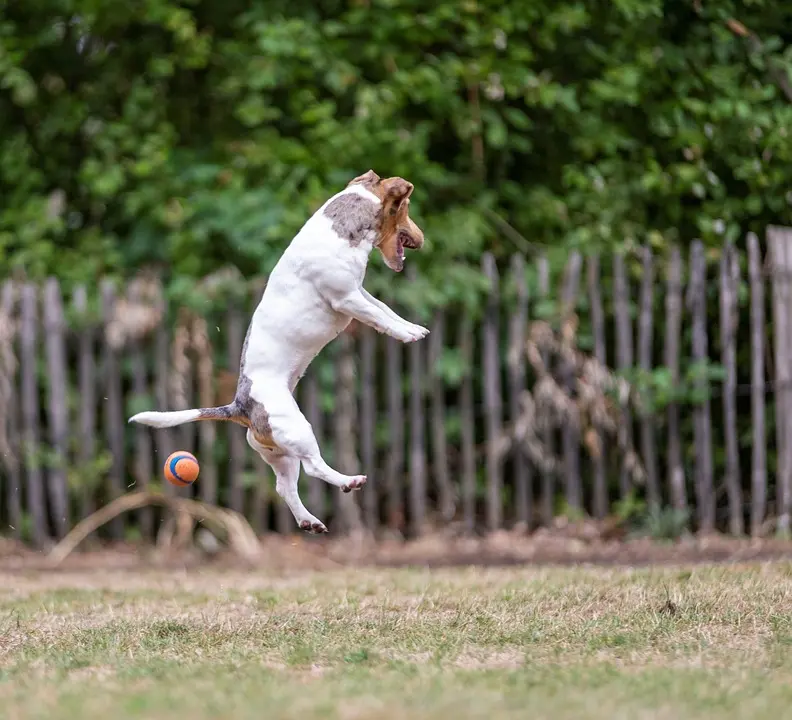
(424, 421)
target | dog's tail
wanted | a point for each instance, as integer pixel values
(179, 417)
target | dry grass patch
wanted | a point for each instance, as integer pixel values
(599, 643)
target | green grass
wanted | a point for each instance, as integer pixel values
(515, 643)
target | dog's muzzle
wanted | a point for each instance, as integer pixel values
(412, 240)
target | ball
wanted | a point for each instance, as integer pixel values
(181, 468)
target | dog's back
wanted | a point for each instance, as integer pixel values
(293, 321)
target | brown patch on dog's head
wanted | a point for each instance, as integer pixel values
(397, 230)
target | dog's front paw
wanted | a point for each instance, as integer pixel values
(415, 333)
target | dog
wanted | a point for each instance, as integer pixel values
(313, 293)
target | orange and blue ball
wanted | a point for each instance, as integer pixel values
(181, 468)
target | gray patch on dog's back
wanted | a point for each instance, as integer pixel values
(353, 217)
(254, 411)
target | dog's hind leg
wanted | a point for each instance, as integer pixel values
(287, 473)
(316, 467)
(292, 434)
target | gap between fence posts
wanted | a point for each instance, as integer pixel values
(31, 435)
(493, 401)
(702, 428)
(368, 425)
(394, 472)
(12, 457)
(112, 406)
(522, 471)
(779, 243)
(547, 500)
(143, 470)
(729, 284)
(570, 433)
(345, 422)
(417, 431)
(645, 329)
(446, 494)
(671, 352)
(467, 421)
(600, 494)
(624, 351)
(759, 444)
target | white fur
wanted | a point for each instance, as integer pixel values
(312, 294)
(166, 419)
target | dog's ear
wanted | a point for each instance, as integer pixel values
(367, 178)
(398, 189)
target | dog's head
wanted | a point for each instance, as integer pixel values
(396, 229)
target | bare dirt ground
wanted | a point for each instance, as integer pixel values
(567, 543)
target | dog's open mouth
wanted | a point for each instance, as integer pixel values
(394, 258)
(400, 252)
(405, 241)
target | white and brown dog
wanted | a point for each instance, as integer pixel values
(312, 294)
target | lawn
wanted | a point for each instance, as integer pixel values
(705, 642)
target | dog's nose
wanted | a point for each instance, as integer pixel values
(416, 236)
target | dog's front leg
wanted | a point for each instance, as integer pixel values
(356, 305)
(389, 311)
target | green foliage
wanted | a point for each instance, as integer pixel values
(657, 389)
(657, 523)
(629, 509)
(665, 523)
(195, 135)
(450, 367)
(564, 509)
(88, 477)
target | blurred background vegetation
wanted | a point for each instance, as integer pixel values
(197, 134)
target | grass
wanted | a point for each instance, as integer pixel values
(712, 642)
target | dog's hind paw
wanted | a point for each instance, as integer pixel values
(313, 527)
(355, 483)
